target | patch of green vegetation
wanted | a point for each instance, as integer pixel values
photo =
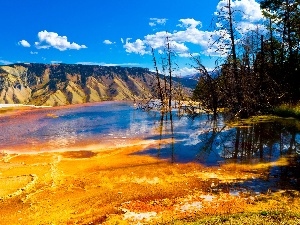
(288, 110)
(263, 217)
(252, 120)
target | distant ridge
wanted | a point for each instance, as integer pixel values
(64, 84)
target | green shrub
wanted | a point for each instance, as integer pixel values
(288, 110)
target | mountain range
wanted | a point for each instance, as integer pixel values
(64, 84)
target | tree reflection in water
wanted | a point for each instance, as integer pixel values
(248, 143)
(263, 141)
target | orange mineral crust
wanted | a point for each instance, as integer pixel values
(82, 187)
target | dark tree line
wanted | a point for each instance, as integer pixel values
(261, 69)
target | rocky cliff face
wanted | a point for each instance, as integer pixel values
(63, 84)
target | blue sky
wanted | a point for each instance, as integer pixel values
(114, 32)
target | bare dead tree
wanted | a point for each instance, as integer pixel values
(160, 91)
(169, 52)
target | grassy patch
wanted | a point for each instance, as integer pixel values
(263, 217)
(252, 120)
(288, 110)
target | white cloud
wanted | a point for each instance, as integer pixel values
(120, 64)
(244, 26)
(56, 62)
(34, 53)
(248, 9)
(188, 55)
(122, 40)
(108, 64)
(137, 47)
(157, 40)
(5, 62)
(24, 43)
(189, 23)
(108, 42)
(178, 47)
(184, 71)
(190, 33)
(156, 21)
(52, 39)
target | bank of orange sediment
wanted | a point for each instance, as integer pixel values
(98, 185)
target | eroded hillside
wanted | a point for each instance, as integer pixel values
(64, 84)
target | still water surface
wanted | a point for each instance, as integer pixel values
(191, 139)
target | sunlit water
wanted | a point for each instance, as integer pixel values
(189, 139)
